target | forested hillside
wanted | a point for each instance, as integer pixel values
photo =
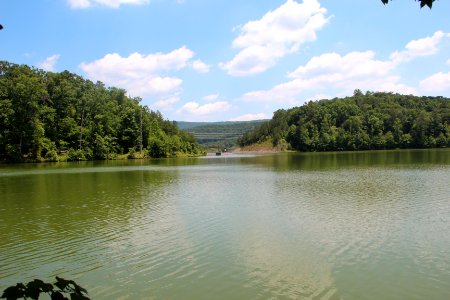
(219, 134)
(363, 121)
(61, 116)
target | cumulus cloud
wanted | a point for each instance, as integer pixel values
(141, 75)
(49, 63)
(438, 82)
(353, 65)
(280, 32)
(211, 97)
(79, 4)
(421, 47)
(250, 117)
(196, 109)
(166, 103)
(320, 96)
(356, 70)
(200, 66)
(334, 71)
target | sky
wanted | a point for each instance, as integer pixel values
(216, 60)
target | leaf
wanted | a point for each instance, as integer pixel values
(61, 283)
(14, 292)
(58, 296)
(76, 296)
(69, 286)
(79, 290)
(35, 287)
(428, 3)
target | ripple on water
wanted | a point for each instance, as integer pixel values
(231, 231)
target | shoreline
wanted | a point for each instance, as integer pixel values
(256, 151)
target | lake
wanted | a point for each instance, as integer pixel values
(341, 225)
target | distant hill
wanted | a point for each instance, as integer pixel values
(373, 120)
(223, 134)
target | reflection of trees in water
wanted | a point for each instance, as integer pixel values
(70, 221)
(350, 159)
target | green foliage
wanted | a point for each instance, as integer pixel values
(56, 291)
(423, 3)
(44, 113)
(363, 121)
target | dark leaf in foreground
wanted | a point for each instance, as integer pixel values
(14, 292)
(58, 296)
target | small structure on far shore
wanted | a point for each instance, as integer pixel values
(218, 153)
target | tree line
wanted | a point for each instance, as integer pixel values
(373, 120)
(47, 116)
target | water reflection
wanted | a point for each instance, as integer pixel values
(68, 224)
(359, 225)
(361, 159)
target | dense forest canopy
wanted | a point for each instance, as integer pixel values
(52, 116)
(363, 121)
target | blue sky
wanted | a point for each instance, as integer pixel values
(217, 60)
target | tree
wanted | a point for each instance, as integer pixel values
(56, 291)
(423, 3)
(62, 116)
(363, 121)
(25, 92)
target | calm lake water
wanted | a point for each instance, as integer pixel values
(351, 225)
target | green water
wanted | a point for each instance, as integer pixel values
(351, 225)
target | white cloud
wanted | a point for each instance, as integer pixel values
(438, 82)
(166, 103)
(195, 109)
(79, 4)
(251, 117)
(200, 66)
(341, 74)
(141, 75)
(448, 62)
(331, 71)
(211, 97)
(276, 34)
(49, 63)
(352, 65)
(421, 47)
(320, 97)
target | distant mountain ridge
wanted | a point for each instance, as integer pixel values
(224, 134)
